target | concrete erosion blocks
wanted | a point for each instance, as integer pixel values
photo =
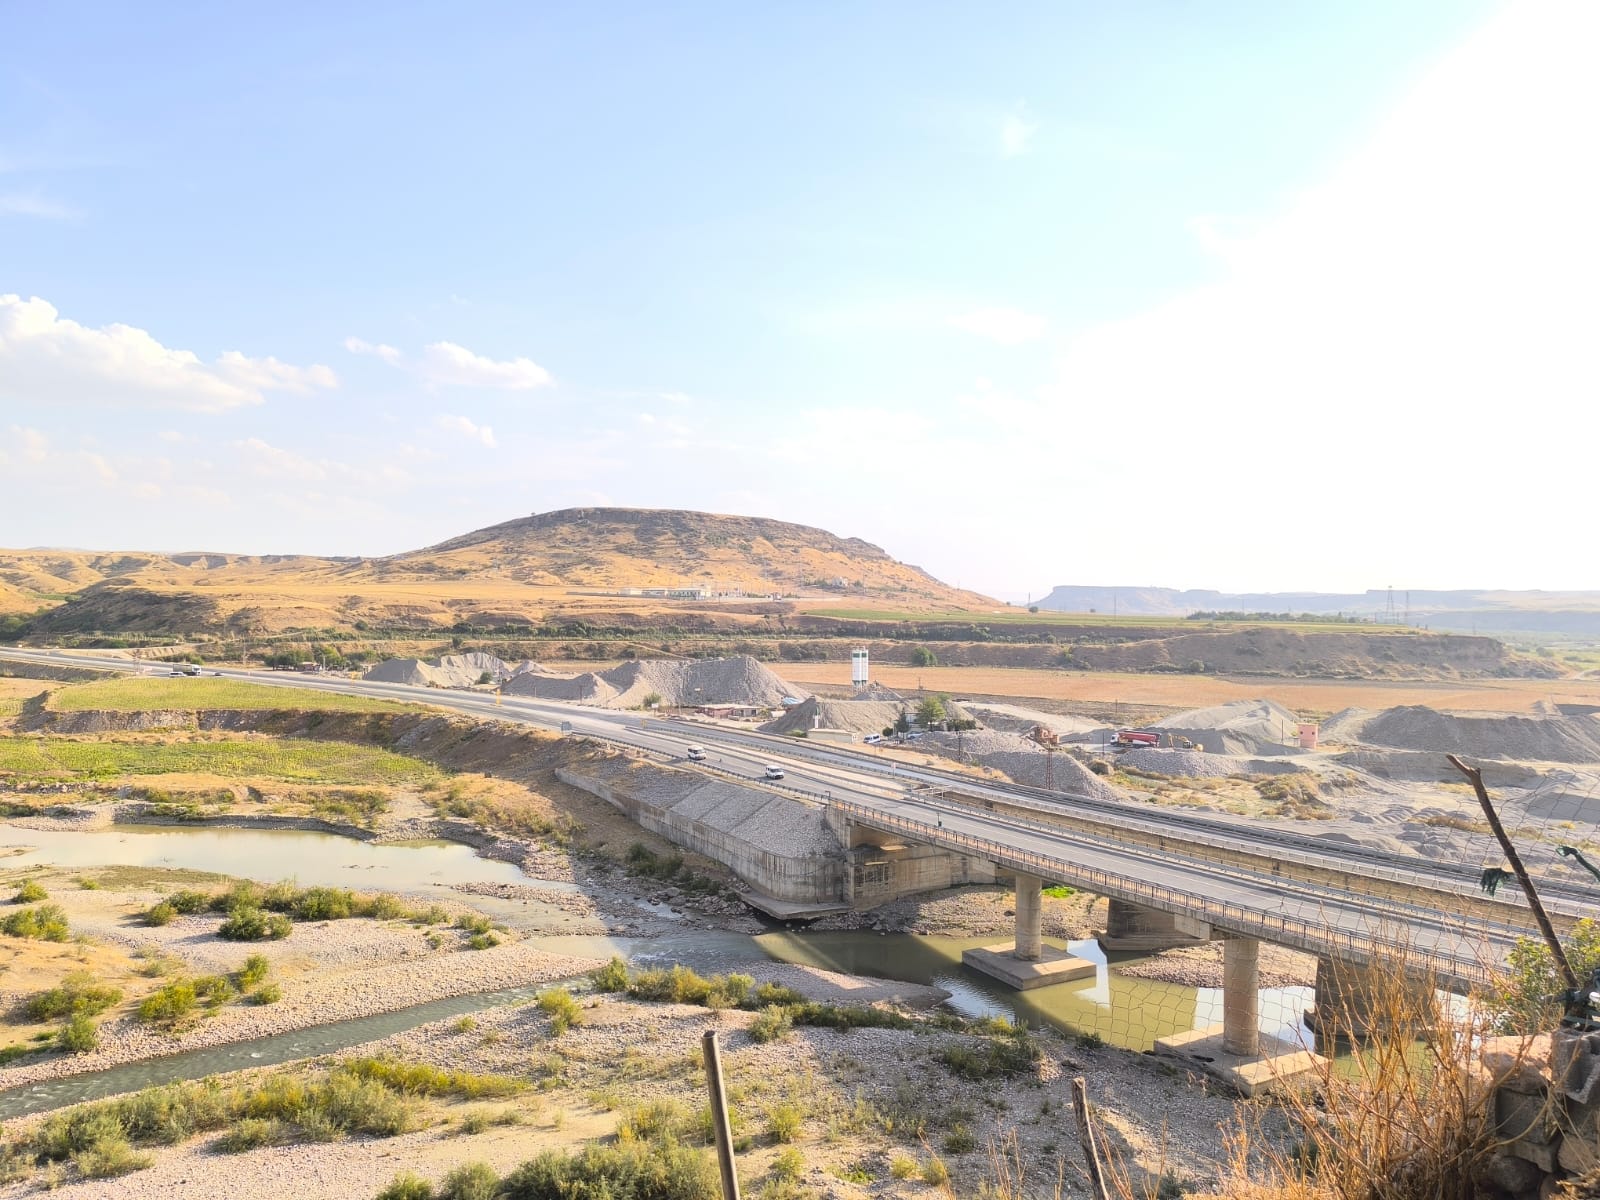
(1276, 1062)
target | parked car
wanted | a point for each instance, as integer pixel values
(773, 771)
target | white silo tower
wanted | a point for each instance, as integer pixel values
(858, 667)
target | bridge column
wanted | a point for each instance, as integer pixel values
(1241, 997)
(1030, 926)
(1358, 1000)
(1132, 927)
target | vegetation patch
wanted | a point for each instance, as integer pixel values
(146, 694)
(45, 923)
(257, 912)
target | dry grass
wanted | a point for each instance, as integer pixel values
(161, 693)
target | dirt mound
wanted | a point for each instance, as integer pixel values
(1238, 727)
(1486, 735)
(1566, 796)
(737, 680)
(587, 688)
(1015, 719)
(1197, 764)
(1022, 760)
(1345, 725)
(858, 716)
(452, 671)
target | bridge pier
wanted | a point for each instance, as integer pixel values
(1028, 962)
(1235, 1051)
(1133, 927)
(1358, 1000)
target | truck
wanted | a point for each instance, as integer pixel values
(1136, 737)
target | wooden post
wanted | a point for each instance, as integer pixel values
(1521, 872)
(1091, 1152)
(719, 1116)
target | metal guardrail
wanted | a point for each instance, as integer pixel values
(1282, 928)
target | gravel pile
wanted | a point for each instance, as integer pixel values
(1486, 735)
(587, 688)
(1197, 764)
(452, 671)
(1022, 760)
(858, 716)
(1013, 719)
(737, 680)
(1238, 727)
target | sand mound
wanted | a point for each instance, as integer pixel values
(740, 680)
(1022, 760)
(858, 716)
(1014, 719)
(1566, 796)
(1197, 764)
(453, 670)
(1486, 735)
(1345, 726)
(1238, 727)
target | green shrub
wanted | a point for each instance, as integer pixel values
(46, 923)
(323, 904)
(661, 1171)
(788, 1164)
(76, 994)
(563, 1011)
(420, 1079)
(407, 1186)
(78, 1035)
(482, 941)
(213, 990)
(613, 977)
(934, 1172)
(267, 993)
(109, 1157)
(160, 914)
(784, 1122)
(31, 892)
(902, 1166)
(168, 1006)
(254, 972)
(960, 1140)
(246, 924)
(474, 923)
(772, 1023)
(470, 1181)
(250, 1134)
(1012, 1055)
(188, 903)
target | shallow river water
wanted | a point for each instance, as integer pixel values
(1125, 1012)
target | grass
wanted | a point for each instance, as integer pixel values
(143, 694)
(564, 1012)
(294, 760)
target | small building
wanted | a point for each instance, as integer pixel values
(731, 712)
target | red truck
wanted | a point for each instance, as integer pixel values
(1136, 737)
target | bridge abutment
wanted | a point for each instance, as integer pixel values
(1028, 962)
(1133, 927)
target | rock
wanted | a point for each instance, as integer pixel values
(1518, 1064)
(1524, 1118)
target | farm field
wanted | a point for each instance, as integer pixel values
(1197, 691)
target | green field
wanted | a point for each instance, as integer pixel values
(290, 760)
(1021, 616)
(144, 693)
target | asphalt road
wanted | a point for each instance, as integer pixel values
(904, 798)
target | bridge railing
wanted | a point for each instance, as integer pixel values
(1281, 928)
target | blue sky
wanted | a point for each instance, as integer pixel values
(1064, 293)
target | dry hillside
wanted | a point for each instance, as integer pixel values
(525, 571)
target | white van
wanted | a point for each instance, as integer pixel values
(697, 753)
(774, 771)
(872, 739)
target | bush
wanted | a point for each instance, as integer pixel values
(771, 1024)
(246, 924)
(561, 1008)
(660, 1171)
(109, 1157)
(482, 941)
(902, 1166)
(168, 1006)
(254, 972)
(1011, 1055)
(213, 990)
(407, 1186)
(960, 1141)
(187, 902)
(250, 1134)
(921, 656)
(77, 994)
(470, 1181)
(30, 893)
(323, 904)
(784, 1122)
(613, 977)
(788, 1164)
(47, 923)
(267, 993)
(160, 914)
(78, 1035)
(934, 1172)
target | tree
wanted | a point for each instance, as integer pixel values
(931, 711)
(902, 723)
(921, 656)
(652, 700)
(1033, 608)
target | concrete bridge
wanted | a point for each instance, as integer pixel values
(1159, 900)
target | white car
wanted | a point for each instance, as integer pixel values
(773, 771)
(872, 739)
(696, 753)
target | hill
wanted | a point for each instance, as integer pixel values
(619, 566)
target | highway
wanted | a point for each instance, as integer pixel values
(875, 790)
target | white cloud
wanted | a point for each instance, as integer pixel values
(445, 364)
(31, 444)
(47, 359)
(1017, 128)
(388, 353)
(1008, 326)
(33, 204)
(274, 462)
(468, 428)
(452, 365)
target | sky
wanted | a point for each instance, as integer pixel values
(1242, 295)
